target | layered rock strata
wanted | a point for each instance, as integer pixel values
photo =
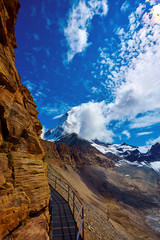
(24, 191)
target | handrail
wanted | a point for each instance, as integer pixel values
(73, 195)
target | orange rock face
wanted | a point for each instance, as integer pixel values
(18, 112)
(24, 189)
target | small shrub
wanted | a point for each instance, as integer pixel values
(11, 166)
(45, 158)
(10, 160)
(108, 198)
(6, 147)
(14, 183)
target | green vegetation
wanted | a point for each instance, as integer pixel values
(45, 158)
(108, 198)
(11, 166)
(10, 160)
(6, 147)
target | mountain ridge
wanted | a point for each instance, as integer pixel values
(126, 151)
(114, 151)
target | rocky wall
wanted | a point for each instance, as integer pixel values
(24, 190)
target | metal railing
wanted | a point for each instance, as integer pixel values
(75, 203)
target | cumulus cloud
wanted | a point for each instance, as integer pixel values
(88, 121)
(140, 92)
(80, 17)
(126, 133)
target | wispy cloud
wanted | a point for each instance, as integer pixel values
(40, 94)
(144, 133)
(151, 118)
(58, 116)
(153, 141)
(31, 86)
(45, 14)
(48, 110)
(80, 17)
(125, 6)
(126, 133)
(36, 36)
(33, 11)
(31, 59)
(58, 107)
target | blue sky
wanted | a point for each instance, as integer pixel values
(99, 58)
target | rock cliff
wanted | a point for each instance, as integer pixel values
(74, 151)
(24, 191)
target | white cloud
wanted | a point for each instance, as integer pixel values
(126, 133)
(40, 94)
(58, 107)
(133, 75)
(146, 121)
(88, 121)
(44, 13)
(125, 6)
(80, 17)
(48, 110)
(44, 130)
(31, 86)
(153, 141)
(144, 133)
(58, 116)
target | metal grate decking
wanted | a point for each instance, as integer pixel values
(63, 223)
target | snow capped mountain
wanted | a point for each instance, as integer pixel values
(54, 134)
(132, 155)
(118, 149)
(126, 153)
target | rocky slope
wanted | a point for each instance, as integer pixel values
(76, 152)
(121, 200)
(24, 191)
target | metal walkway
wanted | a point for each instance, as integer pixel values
(67, 211)
(64, 226)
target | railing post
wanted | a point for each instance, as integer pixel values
(68, 194)
(73, 202)
(83, 222)
(55, 183)
(75, 230)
